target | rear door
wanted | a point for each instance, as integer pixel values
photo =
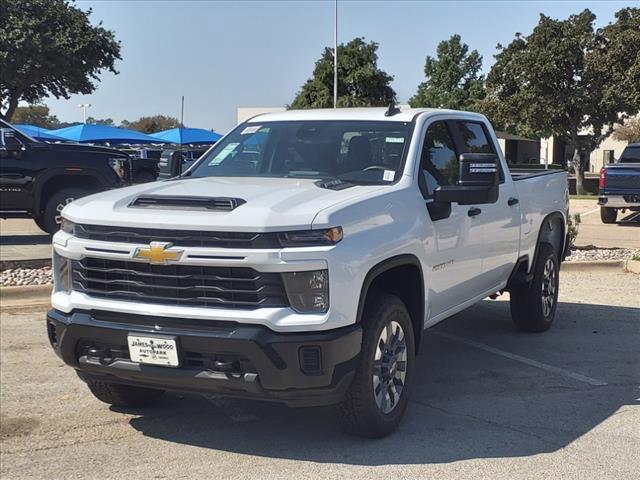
(500, 221)
(454, 258)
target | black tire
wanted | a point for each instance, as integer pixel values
(50, 220)
(533, 305)
(608, 215)
(145, 176)
(40, 223)
(358, 412)
(119, 395)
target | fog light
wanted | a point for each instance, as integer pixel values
(308, 292)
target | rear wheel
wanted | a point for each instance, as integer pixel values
(533, 305)
(378, 396)
(123, 395)
(51, 218)
(608, 215)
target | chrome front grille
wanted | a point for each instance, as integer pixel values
(204, 286)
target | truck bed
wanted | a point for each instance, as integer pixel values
(524, 173)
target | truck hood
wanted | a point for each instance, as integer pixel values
(271, 204)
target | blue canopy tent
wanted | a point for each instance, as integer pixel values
(188, 136)
(89, 133)
(39, 133)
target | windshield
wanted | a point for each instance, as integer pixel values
(354, 151)
(630, 155)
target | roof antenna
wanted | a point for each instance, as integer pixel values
(392, 110)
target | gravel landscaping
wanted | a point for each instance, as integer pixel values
(42, 276)
(25, 276)
(589, 254)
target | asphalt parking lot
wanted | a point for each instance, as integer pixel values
(489, 403)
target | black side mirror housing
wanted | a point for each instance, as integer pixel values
(478, 183)
(9, 144)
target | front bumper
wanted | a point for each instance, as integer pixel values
(299, 369)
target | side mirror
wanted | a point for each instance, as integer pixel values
(10, 142)
(478, 182)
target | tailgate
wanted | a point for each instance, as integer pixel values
(622, 179)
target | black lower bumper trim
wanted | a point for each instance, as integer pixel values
(266, 364)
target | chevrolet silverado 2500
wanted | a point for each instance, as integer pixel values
(300, 260)
(619, 185)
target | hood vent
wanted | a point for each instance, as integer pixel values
(170, 202)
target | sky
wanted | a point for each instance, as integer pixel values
(223, 55)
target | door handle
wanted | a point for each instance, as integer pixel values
(513, 201)
(473, 211)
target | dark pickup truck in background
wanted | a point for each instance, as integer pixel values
(619, 186)
(37, 179)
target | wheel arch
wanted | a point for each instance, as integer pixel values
(402, 276)
(61, 179)
(553, 231)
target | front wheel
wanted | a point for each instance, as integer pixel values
(51, 218)
(378, 396)
(533, 305)
(119, 395)
(608, 214)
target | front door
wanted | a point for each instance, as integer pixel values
(15, 180)
(500, 221)
(454, 260)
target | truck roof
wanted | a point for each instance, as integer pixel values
(364, 114)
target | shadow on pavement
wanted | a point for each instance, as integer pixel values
(632, 219)
(468, 403)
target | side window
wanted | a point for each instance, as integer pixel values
(439, 160)
(473, 138)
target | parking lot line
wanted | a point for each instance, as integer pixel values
(527, 361)
(590, 212)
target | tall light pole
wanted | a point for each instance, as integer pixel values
(335, 54)
(84, 107)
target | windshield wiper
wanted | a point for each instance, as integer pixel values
(334, 183)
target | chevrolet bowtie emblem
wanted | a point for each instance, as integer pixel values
(158, 253)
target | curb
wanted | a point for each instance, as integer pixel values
(632, 266)
(582, 265)
(31, 263)
(25, 295)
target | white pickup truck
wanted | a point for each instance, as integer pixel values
(301, 259)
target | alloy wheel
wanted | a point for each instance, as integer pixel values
(390, 367)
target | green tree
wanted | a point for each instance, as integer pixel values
(37, 114)
(152, 124)
(49, 47)
(568, 80)
(453, 78)
(360, 82)
(101, 121)
(629, 131)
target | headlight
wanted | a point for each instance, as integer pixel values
(68, 226)
(61, 273)
(307, 238)
(308, 292)
(118, 166)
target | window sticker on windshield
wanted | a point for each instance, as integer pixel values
(249, 130)
(388, 175)
(394, 139)
(224, 153)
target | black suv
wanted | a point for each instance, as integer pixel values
(37, 179)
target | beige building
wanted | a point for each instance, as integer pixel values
(556, 151)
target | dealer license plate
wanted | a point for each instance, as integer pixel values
(153, 350)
